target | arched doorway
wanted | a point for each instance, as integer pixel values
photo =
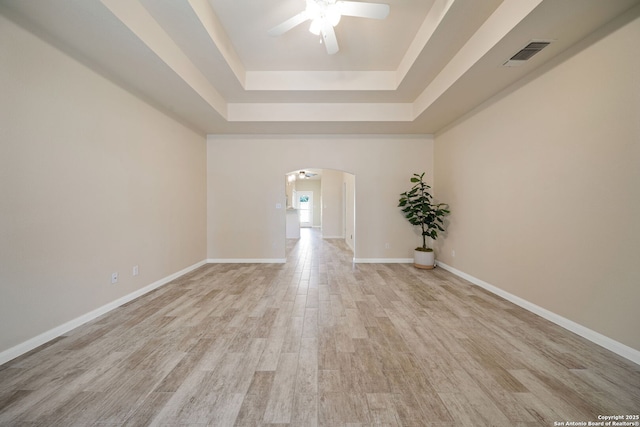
(322, 199)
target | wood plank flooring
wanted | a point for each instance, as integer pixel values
(317, 342)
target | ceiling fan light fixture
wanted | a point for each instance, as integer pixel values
(333, 15)
(316, 26)
(320, 13)
(313, 10)
(324, 15)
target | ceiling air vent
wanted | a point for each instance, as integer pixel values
(526, 53)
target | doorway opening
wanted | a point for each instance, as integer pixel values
(322, 199)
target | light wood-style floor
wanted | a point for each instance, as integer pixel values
(317, 341)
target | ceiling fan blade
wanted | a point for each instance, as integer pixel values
(329, 38)
(363, 10)
(288, 24)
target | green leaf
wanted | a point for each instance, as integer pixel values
(417, 206)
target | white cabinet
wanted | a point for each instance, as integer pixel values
(293, 224)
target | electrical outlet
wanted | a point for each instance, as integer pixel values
(453, 253)
(387, 246)
(135, 270)
(114, 277)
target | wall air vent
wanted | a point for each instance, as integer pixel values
(526, 53)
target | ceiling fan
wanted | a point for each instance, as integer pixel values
(304, 175)
(325, 14)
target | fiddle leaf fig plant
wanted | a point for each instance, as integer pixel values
(419, 209)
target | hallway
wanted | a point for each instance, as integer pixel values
(317, 341)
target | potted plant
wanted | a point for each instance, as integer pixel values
(418, 208)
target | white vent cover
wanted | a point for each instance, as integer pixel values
(524, 54)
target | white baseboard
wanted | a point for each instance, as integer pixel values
(247, 261)
(333, 237)
(383, 260)
(593, 336)
(47, 336)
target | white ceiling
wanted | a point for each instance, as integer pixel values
(211, 64)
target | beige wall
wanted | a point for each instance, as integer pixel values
(544, 188)
(332, 204)
(243, 222)
(92, 181)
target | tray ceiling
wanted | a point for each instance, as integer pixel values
(211, 64)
